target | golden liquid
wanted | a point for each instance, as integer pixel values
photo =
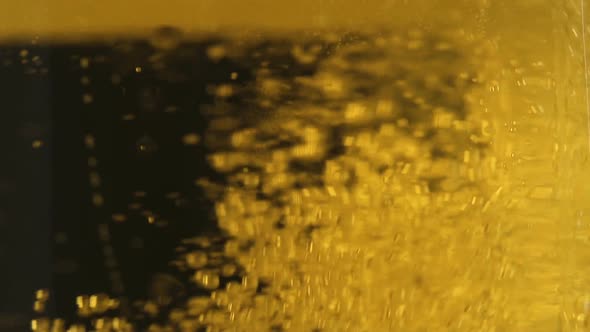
(456, 201)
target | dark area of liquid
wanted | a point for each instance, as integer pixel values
(138, 115)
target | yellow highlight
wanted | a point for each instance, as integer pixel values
(37, 144)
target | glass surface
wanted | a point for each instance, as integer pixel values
(294, 166)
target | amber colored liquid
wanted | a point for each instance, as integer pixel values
(422, 177)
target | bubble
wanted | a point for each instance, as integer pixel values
(94, 179)
(216, 52)
(249, 282)
(228, 270)
(196, 259)
(355, 112)
(146, 145)
(198, 304)
(41, 324)
(191, 139)
(37, 144)
(207, 279)
(119, 217)
(224, 91)
(97, 199)
(87, 98)
(128, 117)
(134, 206)
(151, 308)
(84, 62)
(166, 38)
(42, 294)
(39, 306)
(302, 56)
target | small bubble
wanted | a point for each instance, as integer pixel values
(119, 217)
(42, 294)
(39, 306)
(249, 282)
(355, 112)
(207, 279)
(23, 53)
(224, 91)
(97, 199)
(196, 259)
(84, 62)
(234, 76)
(37, 144)
(228, 270)
(87, 98)
(138, 69)
(204, 242)
(151, 308)
(166, 38)
(232, 248)
(146, 145)
(89, 142)
(94, 179)
(129, 117)
(191, 139)
(216, 52)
